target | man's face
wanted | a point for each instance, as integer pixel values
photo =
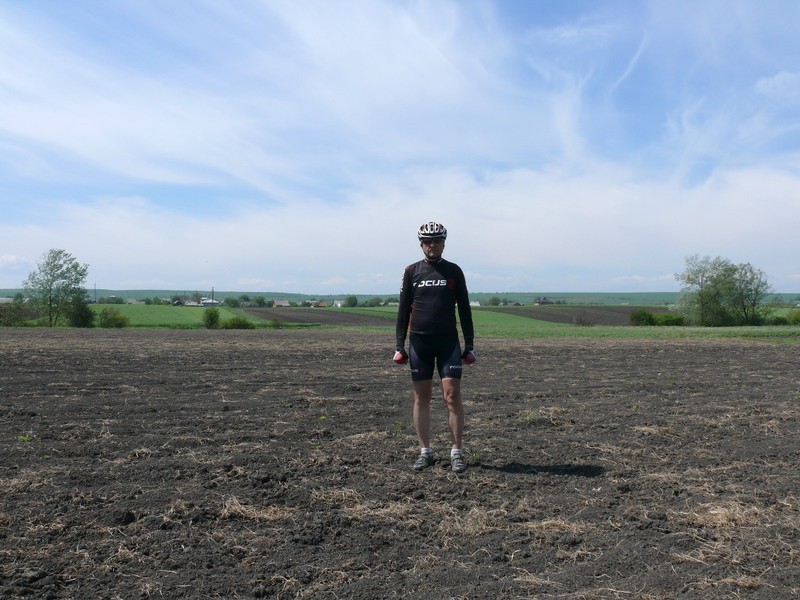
(433, 248)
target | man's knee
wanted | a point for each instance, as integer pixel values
(452, 391)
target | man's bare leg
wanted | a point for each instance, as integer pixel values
(422, 412)
(451, 389)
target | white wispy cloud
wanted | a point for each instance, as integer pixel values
(298, 145)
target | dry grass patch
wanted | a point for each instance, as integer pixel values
(36, 528)
(532, 580)
(400, 515)
(362, 438)
(549, 526)
(141, 453)
(654, 430)
(743, 582)
(723, 515)
(708, 553)
(478, 521)
(232, 508)
(580, 554)
(337, 496)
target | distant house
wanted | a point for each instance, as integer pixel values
(474, 303)
(280, 303)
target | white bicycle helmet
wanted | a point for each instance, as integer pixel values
(430, 230)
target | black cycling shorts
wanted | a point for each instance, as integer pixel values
(429, 352)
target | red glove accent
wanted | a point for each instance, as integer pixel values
(469, 357)
(400, 357)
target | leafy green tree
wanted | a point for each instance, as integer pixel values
(749, 290)
(717, 292)
(56, 284)
(259, 302)
(704, 297)
(351, 301)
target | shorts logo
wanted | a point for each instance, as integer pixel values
(432, 283)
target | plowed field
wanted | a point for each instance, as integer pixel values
(277, 464)
(579, 315)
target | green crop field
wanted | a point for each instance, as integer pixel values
(497, 324)
(490, 323)
(177, 317)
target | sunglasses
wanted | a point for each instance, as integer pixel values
(433, 242)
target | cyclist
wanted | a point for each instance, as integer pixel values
(432, 289)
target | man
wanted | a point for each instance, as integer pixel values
(431, 290)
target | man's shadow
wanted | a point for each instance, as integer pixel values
(564, 470)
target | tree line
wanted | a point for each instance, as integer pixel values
(715, 293)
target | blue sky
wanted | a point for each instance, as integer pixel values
(296, 146)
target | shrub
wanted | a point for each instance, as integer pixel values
(112, 318)
(669, 319)
(211, 318)
(777, 320)
(794, 317)
(641, 317)
(80, 314)
(582, 319)
(13, 314)
(238, 323)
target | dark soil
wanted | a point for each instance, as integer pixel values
(321, 316)
(277, 464)
(579, 315)
(553, 313)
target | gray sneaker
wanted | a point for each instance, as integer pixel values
(457, 463)
(423, 462)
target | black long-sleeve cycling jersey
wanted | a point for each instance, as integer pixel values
(428, 299)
